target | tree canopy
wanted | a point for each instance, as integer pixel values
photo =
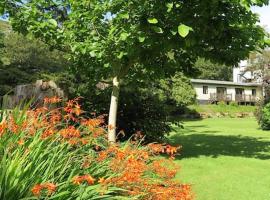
(142, 39)
(213, 71)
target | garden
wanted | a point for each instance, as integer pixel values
(96, 100)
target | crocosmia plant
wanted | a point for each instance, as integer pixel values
(58, 153)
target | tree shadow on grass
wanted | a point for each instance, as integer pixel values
(203, 144)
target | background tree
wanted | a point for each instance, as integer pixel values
(25, 59)
(213, 71)
(142, 39)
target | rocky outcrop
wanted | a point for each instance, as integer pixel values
(34, 93)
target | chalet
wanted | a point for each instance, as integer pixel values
(246, 88)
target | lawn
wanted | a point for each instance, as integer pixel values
(225, 158)
(212, 108)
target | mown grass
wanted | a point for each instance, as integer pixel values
(224, 158)
(222, 108)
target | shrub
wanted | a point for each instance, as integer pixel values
(233, 104)
(222, 103)
(141, 110)
(59, 154)
(177, 91)
(264, 119)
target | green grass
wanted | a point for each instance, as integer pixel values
(224, 159)
(222, 108)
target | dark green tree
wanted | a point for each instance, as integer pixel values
(213, 71)
(138, 39)
(25, 59)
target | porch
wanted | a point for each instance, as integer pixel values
(239, 98)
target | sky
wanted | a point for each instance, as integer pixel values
(264, 13)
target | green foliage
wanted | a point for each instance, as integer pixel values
(177, 91)
(140, 109)
(114, 37)
(233, 104)
(222, 103)
(25, 59)
(264, 120)
(59, 154)
(213, 71)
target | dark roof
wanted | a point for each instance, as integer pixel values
(216, 82)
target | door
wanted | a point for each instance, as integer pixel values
(221, 93)
(239, 94)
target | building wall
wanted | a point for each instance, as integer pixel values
(230, 90)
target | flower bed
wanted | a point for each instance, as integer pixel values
(59, 154)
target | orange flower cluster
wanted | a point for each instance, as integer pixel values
(50, 187)
(161, 148)
(52, 100)
(77, 180)
(73, 110)
(133, 168)
(3, 127)
(70, 132)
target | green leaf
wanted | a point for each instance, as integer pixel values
(184, 30)
(267, 41)
(121, 54)
(152, 20)
(124, 15)
(141, 39)
(173, 32)
(157, 29)
(53, 22)
(92, 54)
(170, 55)
(123, 36)
(169, 6)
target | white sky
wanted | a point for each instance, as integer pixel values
(264, 13)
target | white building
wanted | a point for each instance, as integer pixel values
(246, 88)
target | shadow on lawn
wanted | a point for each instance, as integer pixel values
(203, 144)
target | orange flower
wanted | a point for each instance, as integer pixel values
(47, 133)
(77, 180)
(90, 180)
(77, 109)
(3, 126)
(21, 142)
(101, 180)
(51, 187)
(37, 189)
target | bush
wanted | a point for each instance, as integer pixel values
(59, 154)
(233, 104)
(141, 110)
(177, 91)
(264, 119)
(222, 103)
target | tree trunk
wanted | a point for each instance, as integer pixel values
(113, 111)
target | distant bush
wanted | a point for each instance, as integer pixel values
(234, 104)
(222, 103)
(177, 91)
(59, 154)
(264, 119)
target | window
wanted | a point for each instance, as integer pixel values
(205, 89)
(253, 92)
